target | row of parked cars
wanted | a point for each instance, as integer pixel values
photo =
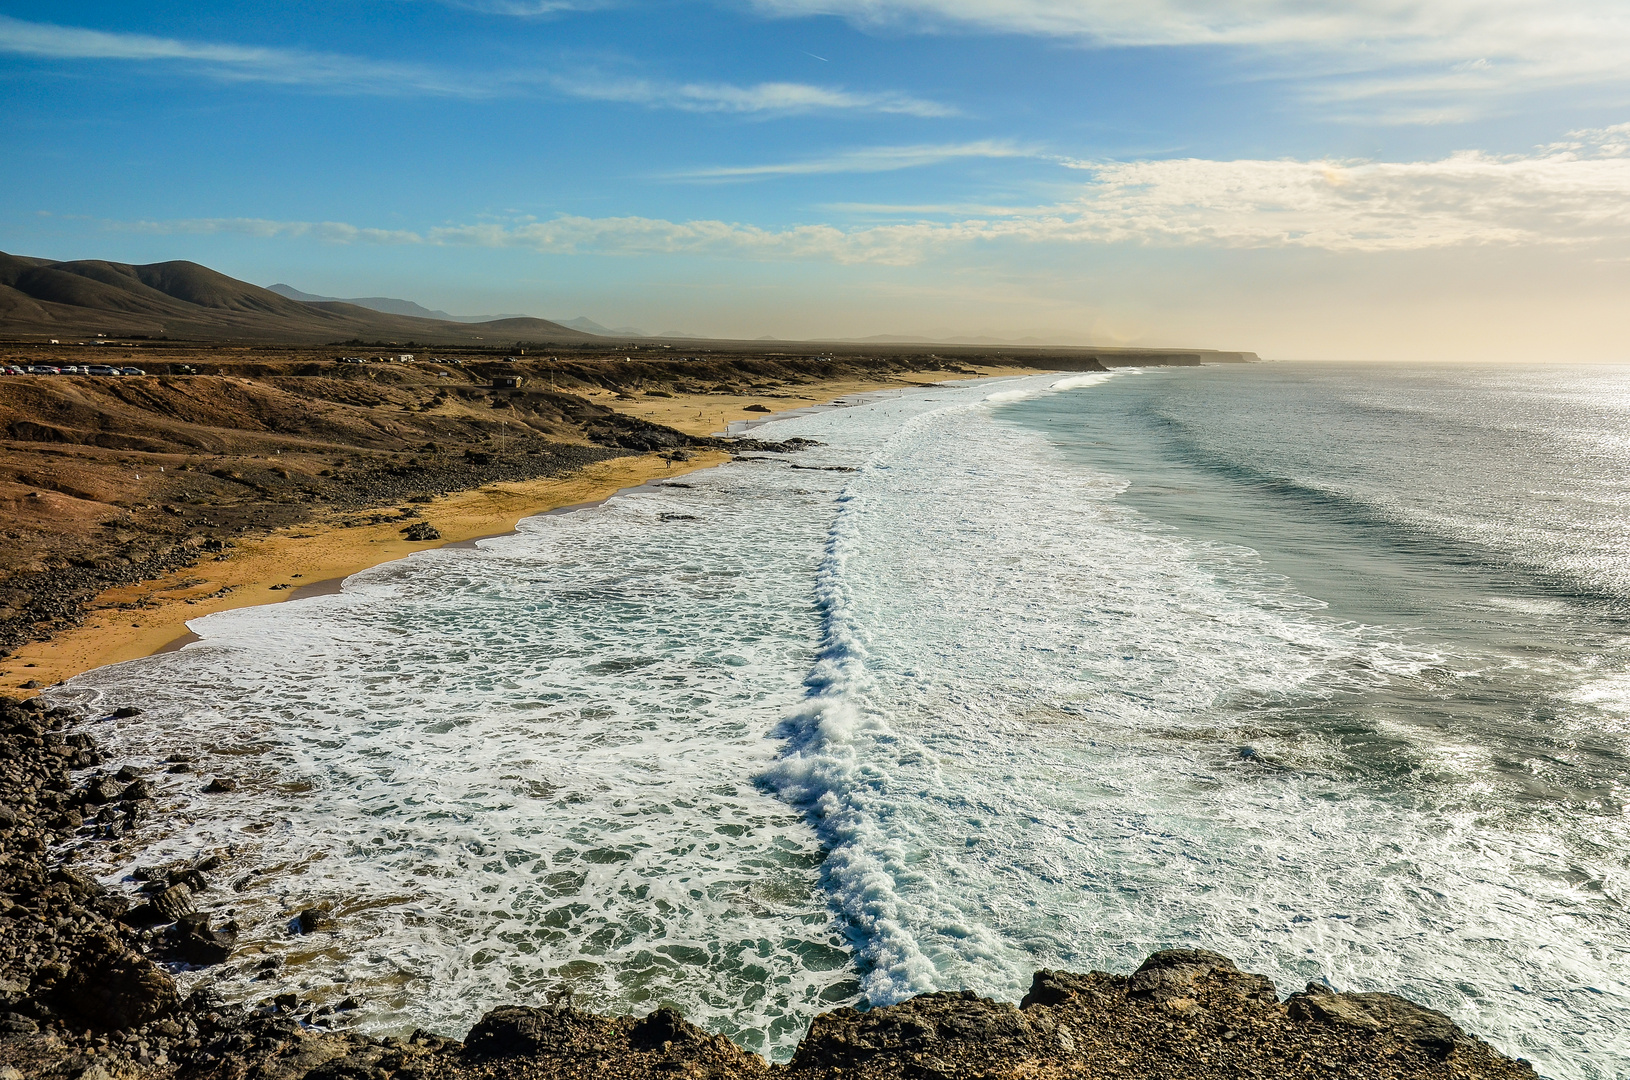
(68, 369)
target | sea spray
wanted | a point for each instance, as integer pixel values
(824, 772)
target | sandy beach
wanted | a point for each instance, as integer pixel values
(314, 556)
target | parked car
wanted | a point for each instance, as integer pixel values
(43, 369)
(131, 371)
(11, 369)
(101, 369)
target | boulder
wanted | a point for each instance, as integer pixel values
(110, 987)
(1192, 973)
(518, 1031)
(314, 919)
(167, 907)
(1389, 1013)
(193, 942)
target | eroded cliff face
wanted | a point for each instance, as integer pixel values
(86, 990)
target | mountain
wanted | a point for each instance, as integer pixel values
(589, 326)
(391, 306)
(39, 297)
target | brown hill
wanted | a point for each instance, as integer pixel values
(183, 300)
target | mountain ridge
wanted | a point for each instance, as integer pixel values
(185, 300)
(390, 305)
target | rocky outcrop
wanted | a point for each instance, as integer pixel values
(1184, 1013)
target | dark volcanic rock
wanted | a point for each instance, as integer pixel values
(567, 1042)
(1402, 1018)
(1186, 1013)
(1188, 973)
(110, 986)
(514, 1031)
(193, 942)
(421, 530)
(313, 920)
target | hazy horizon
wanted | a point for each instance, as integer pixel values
(1327, 181)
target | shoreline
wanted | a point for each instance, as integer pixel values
(151, 617)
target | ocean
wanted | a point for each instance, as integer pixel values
(1322, 667)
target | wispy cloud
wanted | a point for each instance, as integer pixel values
(349, 74)
(772, 97)
(528, 9)
(872, 159)
(333, 232)
(1576, 192)
(238, 63)
(1437, 51)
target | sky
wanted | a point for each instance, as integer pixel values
(1307, 179)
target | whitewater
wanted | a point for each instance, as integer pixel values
(1323, 669)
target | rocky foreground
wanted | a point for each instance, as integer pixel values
(86, 990)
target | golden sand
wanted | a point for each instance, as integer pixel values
(140, 620)
(708, 414)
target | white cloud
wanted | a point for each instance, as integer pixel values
(1571, 193)
(774, 97)
(1432, 49)
(290, 67)
(333, 72)
(868, 160)
(527, 9)
(334, 232)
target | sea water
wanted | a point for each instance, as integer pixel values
(1325, 668)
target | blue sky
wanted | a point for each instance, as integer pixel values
(1366, 178)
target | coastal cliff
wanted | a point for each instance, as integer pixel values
(86, 989)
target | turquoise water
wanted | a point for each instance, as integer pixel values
(1324, 668)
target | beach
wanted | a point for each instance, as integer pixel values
(268, 567)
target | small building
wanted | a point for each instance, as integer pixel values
(507, 382)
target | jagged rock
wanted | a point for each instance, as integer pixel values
(220, 785)
(421, 530)
(1378, 1012)
(193, 941)
(1186, 973)
(313, 920)
(553, 1040)
(109, 986)
(960, 1026)
(125, 712)
(101, 790)
(516, 1031)
(168, 906)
